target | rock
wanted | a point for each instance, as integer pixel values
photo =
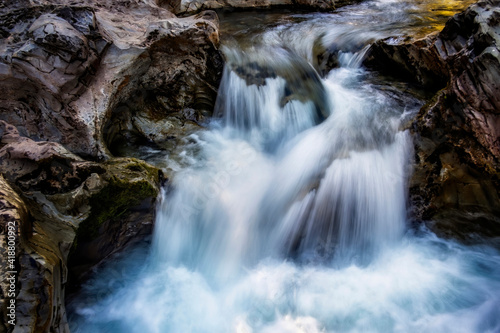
(46, 63)
(177, 86)
(456, 181)
(65, 204)
(130, 186)
(13, 214)
(187, 7)
(418, 61)
(66, 69)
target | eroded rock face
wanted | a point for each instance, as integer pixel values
(178, 85)
(187, 7)
(65, 69)
(457, 135)
(60, 198)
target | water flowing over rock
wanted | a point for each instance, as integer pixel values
(456, 181)
(282, 222)
(275, 77)
(300, 166)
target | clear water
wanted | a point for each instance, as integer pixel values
(291, 216)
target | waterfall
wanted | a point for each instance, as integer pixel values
(291, 216)
(302, 187)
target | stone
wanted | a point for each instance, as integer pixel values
(456, 181)
(66, 68)
(64, 205)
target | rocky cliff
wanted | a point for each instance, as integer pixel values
(456, 184)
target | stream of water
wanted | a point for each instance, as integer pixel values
(291, 213)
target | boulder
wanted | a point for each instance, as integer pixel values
(456, 181)
(66, 69)
(177, 88)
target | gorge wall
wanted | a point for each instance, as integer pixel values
(456, 184)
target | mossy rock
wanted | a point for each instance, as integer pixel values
(129, 182)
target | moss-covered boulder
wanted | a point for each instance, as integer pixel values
(121, 212)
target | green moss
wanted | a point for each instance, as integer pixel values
(130, 181)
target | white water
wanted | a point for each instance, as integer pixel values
(287, 223)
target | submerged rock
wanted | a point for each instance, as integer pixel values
(456, 181)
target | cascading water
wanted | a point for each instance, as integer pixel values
(291, 216)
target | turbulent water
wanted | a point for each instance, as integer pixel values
(291, 214)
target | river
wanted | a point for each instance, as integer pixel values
(290, 213)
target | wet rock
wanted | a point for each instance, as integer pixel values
(66, 204)
(302, 81)
(418, 61)
(456, 181)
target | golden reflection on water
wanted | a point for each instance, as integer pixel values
(432, 15)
